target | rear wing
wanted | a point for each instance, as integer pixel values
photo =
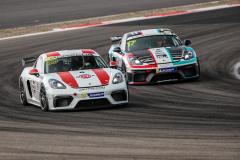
(114, 39)
(28, 60)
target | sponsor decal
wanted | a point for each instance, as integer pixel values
(160, 54)
(171, 69)
(131, 43)
(98, 94)
(51, 60)
(84, 95)
(91, 88)
(92, 95)
(167, 32)
(144, 35)
(134, 33)
(35, 86)
(86, 77)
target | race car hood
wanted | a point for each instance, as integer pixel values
(161, 55)
(85, 78)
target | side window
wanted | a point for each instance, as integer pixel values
(39, 65)
(123, 42)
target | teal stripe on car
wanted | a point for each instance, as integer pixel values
(169, 54)
(158, 30)
(192, 77)
(111, 52)
(185, 61)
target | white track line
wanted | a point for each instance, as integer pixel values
(125, 20)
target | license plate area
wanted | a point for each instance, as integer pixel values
(169, 69)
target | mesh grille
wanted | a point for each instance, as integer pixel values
(93, 102)
(176, 56)
(162, 77)
(146, 59)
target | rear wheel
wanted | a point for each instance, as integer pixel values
(43, 99)
(23, 96)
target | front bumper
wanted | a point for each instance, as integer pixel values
(77, 98)
(150, 76)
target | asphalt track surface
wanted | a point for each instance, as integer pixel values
(21, 13)
(187, 120)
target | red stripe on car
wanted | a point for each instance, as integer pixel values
(152, 56)
(141, 32)
(102, 75)
(87, 51)
(146, 66)
(150, 66)
(138, 82)
(68, 78)
(52, 54)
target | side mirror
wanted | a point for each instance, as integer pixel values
(34, 72)
(117, 49)
(113, 64)
(187, 42)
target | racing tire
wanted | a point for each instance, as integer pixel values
(23, 96)
(108, 60)
(43, 99)
(198, 70)
(124, 72)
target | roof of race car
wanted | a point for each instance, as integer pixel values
(70, 53)
(150, 32)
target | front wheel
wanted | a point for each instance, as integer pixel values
(198, 69)
(23, 96)
(43, 99)
(124, 72)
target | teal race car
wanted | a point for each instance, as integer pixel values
(154, 56)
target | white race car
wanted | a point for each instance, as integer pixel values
(71, 79)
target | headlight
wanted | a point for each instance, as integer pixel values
(56, 84)
(134, 61)
(118, 78)
(188, 55)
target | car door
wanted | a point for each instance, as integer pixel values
(35, 81)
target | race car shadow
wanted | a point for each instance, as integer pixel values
(94, 108)
(168, 83)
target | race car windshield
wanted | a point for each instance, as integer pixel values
(74, 63)
(152, 42)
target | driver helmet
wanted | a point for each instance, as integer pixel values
(159, 41)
